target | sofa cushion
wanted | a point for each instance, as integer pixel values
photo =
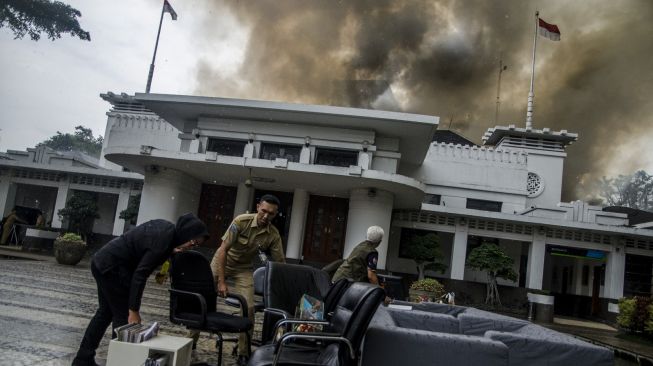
(478, 324)
(551, 349)
(391, 346)
(417, 319)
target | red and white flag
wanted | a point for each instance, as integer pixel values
(167, 8)
(549, 31)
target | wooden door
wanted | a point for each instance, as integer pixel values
(596, 288)
(326, 225)
(216, 210)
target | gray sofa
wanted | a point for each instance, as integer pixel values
(431, 333)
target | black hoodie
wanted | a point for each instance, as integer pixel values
(133, 256)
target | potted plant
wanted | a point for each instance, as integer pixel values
(69, 249)
(425, 290)
(492, 260)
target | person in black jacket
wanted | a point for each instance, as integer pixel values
(121, 269)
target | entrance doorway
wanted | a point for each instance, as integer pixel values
(216, 210)
(282, 220)
(326, 225)
(597, 282)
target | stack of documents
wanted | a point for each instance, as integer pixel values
(136, 333)
(157, 359)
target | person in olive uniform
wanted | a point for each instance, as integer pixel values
(247, 236)
(121, 268)
(360, 266)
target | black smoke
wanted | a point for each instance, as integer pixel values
(441, 58)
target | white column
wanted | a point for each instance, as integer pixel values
(7, 194)
(459, 251)
(244, 197)
(615, 268)
(297, 222)
(167, 194)
(123, 202)
(305, 155)
(368, 208)
(62, 197)
(535, 267)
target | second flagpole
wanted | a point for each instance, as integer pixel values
(156, 45)
(531, 94)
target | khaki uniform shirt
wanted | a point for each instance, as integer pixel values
(246, 237)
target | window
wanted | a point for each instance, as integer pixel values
(433, 199)
(226, 147)
(335, 157)
(483, 205)
(273, 151)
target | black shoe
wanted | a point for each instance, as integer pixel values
(242, 360)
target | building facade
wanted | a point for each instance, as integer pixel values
(339, 170)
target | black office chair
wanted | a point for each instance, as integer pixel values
(193, 300)
(339, 343)
(284, 285)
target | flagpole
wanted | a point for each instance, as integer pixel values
(531, 95)
(156, 46)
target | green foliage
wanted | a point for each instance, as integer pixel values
(428, 284)
(82, 140)
(34, 17)
(130, 214)
(626, 312)
(491, 259)
(648, 326)
(425, 251)
(81, 209)
(71, 237)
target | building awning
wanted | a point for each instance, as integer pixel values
(414, 131)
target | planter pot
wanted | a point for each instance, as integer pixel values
(421, 295)
(69, 252)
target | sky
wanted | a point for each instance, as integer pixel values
(438, 58)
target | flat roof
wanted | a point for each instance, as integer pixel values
(493, 135)
(414, 131)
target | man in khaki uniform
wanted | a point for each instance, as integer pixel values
(247, 236)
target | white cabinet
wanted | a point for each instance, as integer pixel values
(134, 354)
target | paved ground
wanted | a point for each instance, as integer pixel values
(45, 308)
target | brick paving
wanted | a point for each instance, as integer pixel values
(45, 308)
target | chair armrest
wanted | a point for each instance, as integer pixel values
(325, 337)
(282, 322)
(282, 313)
(241, 300)
(174, 294)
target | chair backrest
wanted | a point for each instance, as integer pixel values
(191, 271)
(259, 281)
(335, 293)
(355, 310)
(286, 283)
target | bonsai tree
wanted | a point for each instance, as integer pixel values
(425, 251)
(491, 259)
(80, 211)
(130, 214)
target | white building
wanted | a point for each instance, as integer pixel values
(339, 170)
(44, 179)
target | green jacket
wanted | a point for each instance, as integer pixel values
(355, 266)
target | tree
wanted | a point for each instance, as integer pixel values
(34, 17)
(82, 140)
(130, 214)
(425, 251)
(631, 190)
(491, 259)
(80, 211)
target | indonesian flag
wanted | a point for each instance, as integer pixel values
(549, 31)
(167, 8)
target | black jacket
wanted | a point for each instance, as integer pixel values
(133, 256)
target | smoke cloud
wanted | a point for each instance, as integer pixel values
(442, 58)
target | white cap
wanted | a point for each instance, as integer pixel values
(375, 234)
